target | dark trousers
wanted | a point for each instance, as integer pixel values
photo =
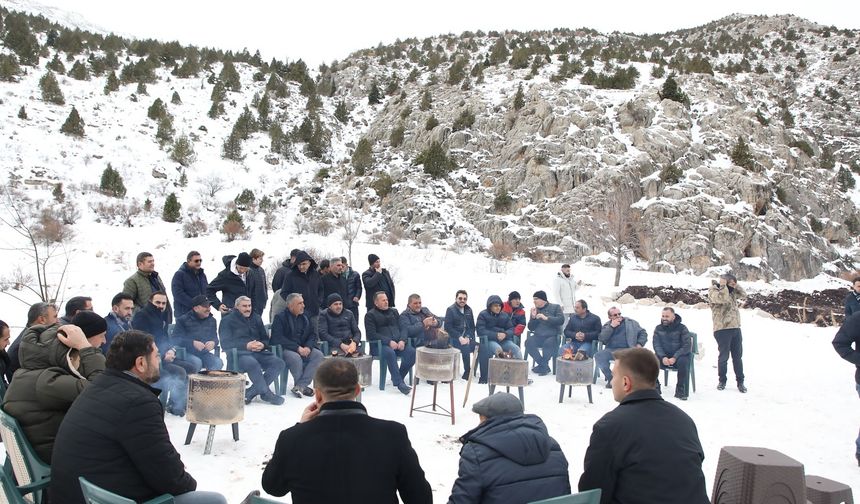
(730, 342)
(466, 350)
(407, 360)
(541, 349)
(174, 381)
(354, 310)
(262, 369)
(682, 365)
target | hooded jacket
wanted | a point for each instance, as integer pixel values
(308, 284)
(510, 459)
(186, 284)
(229, 284)
(672, 340)
(46, 385)
(489, 323)
(724, 306)
(564, 291)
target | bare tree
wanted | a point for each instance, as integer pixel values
(617, 222)
(213, 185)
(46, 258)
(350, 222)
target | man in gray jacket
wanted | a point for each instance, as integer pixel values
(618, 333)
(544, 329)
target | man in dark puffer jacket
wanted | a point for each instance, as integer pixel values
(509, 457)
(339, 327)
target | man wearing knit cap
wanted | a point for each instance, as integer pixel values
(514, 308)
(724, 296)
(509, 457)
(57, 363)
(231, 282)
(377, 279)
(339, 328)
(544, 330)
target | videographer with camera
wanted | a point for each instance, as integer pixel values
(725, 295)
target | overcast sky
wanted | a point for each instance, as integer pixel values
(322, 31)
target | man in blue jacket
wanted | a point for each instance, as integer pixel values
(188, 281)
(197, 332)
(545, 327)
(382, 323)
(582, 329)
(498, 329)
(293, 331)
(618, 333)
(460, 324)
(119, 318)
(418, 322)
(672, 344)
(509, 458)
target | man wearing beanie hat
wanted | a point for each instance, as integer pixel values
(57, 363)
(231, 282)
(514, 308)
(544, 330)
(509, 457)
(339, 328)
(196, 331)
(377, 279)
(724, 296)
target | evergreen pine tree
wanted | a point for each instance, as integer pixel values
(435, 160)
(56, 65)
(111, 183)
(182, 152)
(277, 86)
(245, 124)
(263, 109)
(215, 110)
(58, 194)
(426, 101)
(183, 179)
(431, 123)
(232, 147)
(219, 94)
(112, 83)
(175, 99)
(51, 89)
(141, 89)
(374, 96)
(244, 199)
(845, 179)
(165, 131)
(362, 158)
(74, 125)
(22, 113)
(170, 212)
(157, 110)
(741, 155)
(79, 71)
(20, 39)
(465, 120)
(499, 53)
(672, 91)
(519, 98)
(396, 137)
(233, 226)
(9, 67)
(340, 112)
(280, 142)
(230, 77)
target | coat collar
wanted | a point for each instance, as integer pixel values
(337, 408)
(642, 395)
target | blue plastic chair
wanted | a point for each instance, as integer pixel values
(586, 497)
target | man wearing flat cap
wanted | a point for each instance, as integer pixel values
(509, 457)
(724, 295)
(197, 332)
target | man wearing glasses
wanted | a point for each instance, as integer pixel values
(188, 281)
(617, 333)
(460, 324)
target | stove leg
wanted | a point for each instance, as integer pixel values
(190, 434)
(209, 437)
(236, 431)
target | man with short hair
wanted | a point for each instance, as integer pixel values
(74, 306)
(323, 267)
(460, 324)
(293, 331)
(564, 291)
(418, 323)
(724, 296)
(495, 325)
(339, 327)
(283, 270)
(119, 318)
(143, 282)
(377, 279)
(152, 319)
(334, 282)
(243, 330)
(646, 450)
(188, 281)
(57, 363)
(852, 299)
(545, 327)
(672, 344)
(583, 327)
(258, 286)
(383, 323)
(114, 434)
(617, 333)
(197, 332)
(509, 458)
(846, 336)
(376, 457)
(353, 288)
(231, 282)
(39, 314)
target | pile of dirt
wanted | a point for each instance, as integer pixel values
(823, 308)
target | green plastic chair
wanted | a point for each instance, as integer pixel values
(383, 367)
(692, 378)
(98, 495)
(28, 469)
(18, 495)
(586, 497)
(262, 500)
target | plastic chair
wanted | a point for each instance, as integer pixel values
(29, 470)
(383, 367)
(256, 499)
(694, 340)
(97, 495)
(15, 494)
(586, 497)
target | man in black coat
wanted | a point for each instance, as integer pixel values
(339, 328)
(376, 457)
(334, 282)
(377, 279)
(188, 281)
(852, 299)
(672, 344)
(460, 324)
(231, 282)
(258, 286)
(846, 336)
(292, 330)
(353, 288)
(383, 323)
(283, 270)
(581, 330)
(646, 450)
(304, 279)
(114, 434)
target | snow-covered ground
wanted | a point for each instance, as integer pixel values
(801, 400)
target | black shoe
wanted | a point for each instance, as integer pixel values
(681, 397)
(180, 412)
(530, 381)
(272, 398)
(609, 384)
(296, 392)
(308, 392)
(741, 388)
(482, 381)
(721, 385)
(249, 398)
(404, 389)
(430, 382)
(858, 458)
(466, 374)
